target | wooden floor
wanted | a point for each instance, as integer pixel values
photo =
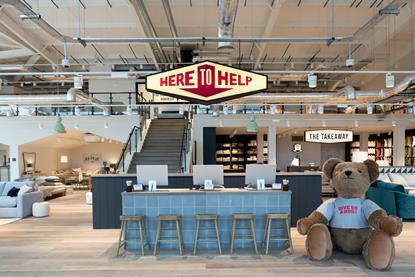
(64, 244)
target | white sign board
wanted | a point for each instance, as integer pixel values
(328, 136)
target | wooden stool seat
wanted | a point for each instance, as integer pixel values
(243, 216)
(170, 217)
(208, 218)
(268, 230)
(160, 238)
(141, 227)
(250, 218)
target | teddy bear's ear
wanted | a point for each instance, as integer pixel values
(329, 165)
(373, 169)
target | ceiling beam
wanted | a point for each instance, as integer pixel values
(15, 53)
(138, 10)
(27, 38)
(269, 27)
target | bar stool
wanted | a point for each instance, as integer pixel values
(268, 230)
(159, 238)
(207, 218)
(125, 219)
(240, 217)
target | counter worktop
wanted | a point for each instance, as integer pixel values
(308, 173)
(189, 191)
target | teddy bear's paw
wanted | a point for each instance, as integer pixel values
(379, 251)
(319, 245)
(391, 225)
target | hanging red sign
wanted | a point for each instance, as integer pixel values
(206, 83)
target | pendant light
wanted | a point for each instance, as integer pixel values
(252, 125)
(58, 127)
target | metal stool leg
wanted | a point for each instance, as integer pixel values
(253, 235)
(179, 235)
(289, 237)
(140, 226)
(217, 236)
(121, 238)
(196, 236)
(233, 235)
(268, 234)
(157, 238)
(265, 233)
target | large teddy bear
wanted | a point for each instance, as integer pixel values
(348, 222)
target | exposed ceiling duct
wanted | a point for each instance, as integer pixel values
(226, 21)
(36, 19)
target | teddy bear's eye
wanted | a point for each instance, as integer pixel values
(359, 171)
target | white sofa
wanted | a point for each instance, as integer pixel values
(19, 206)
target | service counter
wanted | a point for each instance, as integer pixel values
(188, 203)
(107, 189)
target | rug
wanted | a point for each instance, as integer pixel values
(4, 221)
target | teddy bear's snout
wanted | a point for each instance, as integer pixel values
(348, 173)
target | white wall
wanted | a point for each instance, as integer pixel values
(311, 153)
(109, 152)
(46, 158)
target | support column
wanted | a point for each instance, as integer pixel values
(272, 145)
(14, 162)
(399, 146)
(260, 147)
(363, 140)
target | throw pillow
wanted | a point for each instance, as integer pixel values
(13, 192)
(24, 189)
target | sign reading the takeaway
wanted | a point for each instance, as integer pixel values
(328, 136)
(206, 83)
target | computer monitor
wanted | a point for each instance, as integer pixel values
(204, 172)
(260, 171)
(159, 173)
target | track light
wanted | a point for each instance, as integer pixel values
(393, 123)
(225, 110)
(76, 126)
(288, 123)
(369, 109)
(312, 80)
(323, 123)
(272, 109)
(106, 126)
(389, 80)
(350, 93)
(106, 112)
(320, 109)
(356, 123)
(40, 125)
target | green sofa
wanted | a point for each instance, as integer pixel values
(393, 199)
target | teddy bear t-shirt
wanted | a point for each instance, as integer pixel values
(348, 213)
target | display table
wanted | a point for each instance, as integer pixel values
(189, 203)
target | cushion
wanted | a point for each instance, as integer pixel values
(406, 205)
(384, 177)
(13, 192)
(410, 179)
(8, 202)
(10, 185)
(24, 189)
(397, 179)
(390, 186)
(2, 184)
(52, 178)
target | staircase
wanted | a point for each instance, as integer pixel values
(162, 145)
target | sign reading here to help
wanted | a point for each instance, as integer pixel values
(206, 83)
(328, 136)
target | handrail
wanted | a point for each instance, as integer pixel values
(183, 148)
(134, 131)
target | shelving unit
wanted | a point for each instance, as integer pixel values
(236, 152)
(410, 148)
(381, 147)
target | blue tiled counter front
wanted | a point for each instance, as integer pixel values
(189, 203)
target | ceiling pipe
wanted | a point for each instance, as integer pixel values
(402, 86)
(227, 10)
(200, 39)
(172, 26)
(145, 19)
(26, 10)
